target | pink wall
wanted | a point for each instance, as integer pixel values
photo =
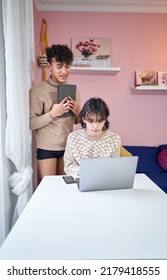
(139, 42)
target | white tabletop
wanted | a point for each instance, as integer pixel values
(60, 222)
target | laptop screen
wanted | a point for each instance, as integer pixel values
(99, 174)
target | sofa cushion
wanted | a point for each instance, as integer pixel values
(162, 147)
(124, 153)
(147, 158)
(162, 159)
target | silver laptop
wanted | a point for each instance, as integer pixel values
(99, 174)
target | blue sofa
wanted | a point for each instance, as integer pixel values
(148, 163)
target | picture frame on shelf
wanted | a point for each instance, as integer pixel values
(91, 52)
(162, 78)
(146, 77)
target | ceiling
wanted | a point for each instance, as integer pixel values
(132, 6)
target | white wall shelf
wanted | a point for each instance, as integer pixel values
(96, 70)
(151, 87)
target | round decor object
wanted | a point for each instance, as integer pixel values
(162, 159)
(42, 60)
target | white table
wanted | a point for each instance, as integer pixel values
(59, 222)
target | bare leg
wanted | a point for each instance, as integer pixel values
(60, 166)
(46, 167)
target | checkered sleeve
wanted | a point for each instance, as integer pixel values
(71, 167)
(116, 142)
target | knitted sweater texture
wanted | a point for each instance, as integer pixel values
(50, 134)
(80, 145)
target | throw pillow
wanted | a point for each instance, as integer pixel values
(148, 161)
(125, 153)
(162, 147)
(162, 159)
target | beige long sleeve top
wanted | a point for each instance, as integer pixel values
(50, 134)
(80, 145)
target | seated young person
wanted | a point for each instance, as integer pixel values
(94, 140)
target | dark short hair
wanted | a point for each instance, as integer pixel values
(61, 53)
(94, 106)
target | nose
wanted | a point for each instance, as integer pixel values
(95, 124)
(64, 70)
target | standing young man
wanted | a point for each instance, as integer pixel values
(51, 131)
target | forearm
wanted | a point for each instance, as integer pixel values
(37, 122)
(71, 167)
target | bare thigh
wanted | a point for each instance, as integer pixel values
(46, 167)
(60, 166)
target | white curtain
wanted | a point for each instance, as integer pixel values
(19, 63)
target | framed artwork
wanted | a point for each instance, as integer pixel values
(146, 77)
(162, 78)
(91, 52)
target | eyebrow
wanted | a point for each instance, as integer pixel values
(62, 63)
(96, 120)
(58, 63)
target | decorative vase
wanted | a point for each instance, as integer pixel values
(86, 55)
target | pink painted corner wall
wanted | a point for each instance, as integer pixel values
(139, 42)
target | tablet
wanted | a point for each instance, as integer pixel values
(66, 90)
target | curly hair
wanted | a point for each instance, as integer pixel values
(95, 106)
(61, 53)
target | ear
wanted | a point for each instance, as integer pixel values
(49, 66)
(83, 119)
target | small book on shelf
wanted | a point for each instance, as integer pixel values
(66, 90)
